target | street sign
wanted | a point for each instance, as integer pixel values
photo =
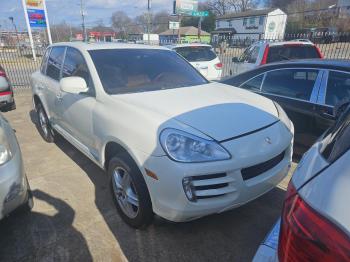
(174, 25)
(200, 13)
(186, 7)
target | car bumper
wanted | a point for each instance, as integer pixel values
(219, 186)
(13, 184)
(267, 251)
(6, 99)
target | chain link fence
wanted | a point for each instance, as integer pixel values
(19, 64)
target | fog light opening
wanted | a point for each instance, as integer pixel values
(189, 189)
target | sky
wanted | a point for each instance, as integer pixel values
(69, 11)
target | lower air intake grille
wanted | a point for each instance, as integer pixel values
(253, 171)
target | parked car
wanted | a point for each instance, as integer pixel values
(172, 143)
(265, 52)
(315, 223)
(14, 188)
(308, 90)
(7, 101)
(203, 58)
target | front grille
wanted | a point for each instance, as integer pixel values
(210, 186)
(253, 171)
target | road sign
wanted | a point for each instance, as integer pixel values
(186, 7)
(174, 25)
(200, 13)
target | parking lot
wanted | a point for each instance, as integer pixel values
(74, 217)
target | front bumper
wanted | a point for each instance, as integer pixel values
(267, 251)
(170, 202)
(13, 183)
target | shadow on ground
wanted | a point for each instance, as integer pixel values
(29, 236)
(231, 236)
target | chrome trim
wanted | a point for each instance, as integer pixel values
(262, 82)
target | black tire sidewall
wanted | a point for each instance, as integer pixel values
(145, 212)
(49, 136)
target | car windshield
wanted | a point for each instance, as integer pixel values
(288, 52)
(196, 53)
(140, 70)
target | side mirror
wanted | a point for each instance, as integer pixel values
(235, 59)
(73, 85)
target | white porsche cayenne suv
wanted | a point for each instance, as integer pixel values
(172, 143)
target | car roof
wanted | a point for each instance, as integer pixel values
(280, 43)
(188, 45)
(341, 64)
(97, 46)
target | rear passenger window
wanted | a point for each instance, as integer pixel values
(253, 55)
(293, 83)
(74, 65)
(288, 52)
(338, 88)
(253, 84)
(55, 62)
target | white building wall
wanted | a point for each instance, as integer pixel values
(275, 25)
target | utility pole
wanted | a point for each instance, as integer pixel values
(149, 21)
(83, 20)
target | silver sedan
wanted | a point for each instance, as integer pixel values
(14, 188)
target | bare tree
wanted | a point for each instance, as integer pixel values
(222, 7)
(121, 23)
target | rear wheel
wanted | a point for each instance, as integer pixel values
(130, 192)
(44, 126)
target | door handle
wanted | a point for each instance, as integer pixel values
(328, 116)
(59, 97)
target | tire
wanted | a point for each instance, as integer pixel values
(44, 126)
(136, 216)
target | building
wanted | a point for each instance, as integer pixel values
(344, 8)
(189, 34)
(250, 25)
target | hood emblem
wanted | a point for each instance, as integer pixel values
(268, 140)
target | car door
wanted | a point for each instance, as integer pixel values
(75, 110)
(296, 89)
(335, 90)
(51, 81)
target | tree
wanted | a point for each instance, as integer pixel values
(121, 23)
(222, 7)
(282, 4)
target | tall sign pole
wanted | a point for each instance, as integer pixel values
(149, 20)
(47, 24)
(29, 28)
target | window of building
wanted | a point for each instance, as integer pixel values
(230, 23)
(245, 21)
(261, 20)
(252, 21)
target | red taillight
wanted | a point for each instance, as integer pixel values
(218, 66)
(264, 58)
(319, 52)
(307, 236)
(2, 73)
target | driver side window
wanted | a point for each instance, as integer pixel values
(75, 65)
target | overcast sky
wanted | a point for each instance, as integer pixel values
(69, 10)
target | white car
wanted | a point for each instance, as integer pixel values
(315, 223)
(265, 52)
(203, 58)
(172, 143)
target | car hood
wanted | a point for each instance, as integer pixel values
(217, 110)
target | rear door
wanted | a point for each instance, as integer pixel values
(335, 90)
(296, 90)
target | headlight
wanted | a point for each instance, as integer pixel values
(284, 117)
(5, 151)
(184, 147)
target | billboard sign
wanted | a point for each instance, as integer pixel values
(35, 4)
(36, 18)
(186, 7)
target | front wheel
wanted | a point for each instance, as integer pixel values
(44, 126)
(130, 192)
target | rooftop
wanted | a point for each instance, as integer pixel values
(248, 13)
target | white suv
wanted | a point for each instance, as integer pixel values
(172, 143)
(264, 52)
